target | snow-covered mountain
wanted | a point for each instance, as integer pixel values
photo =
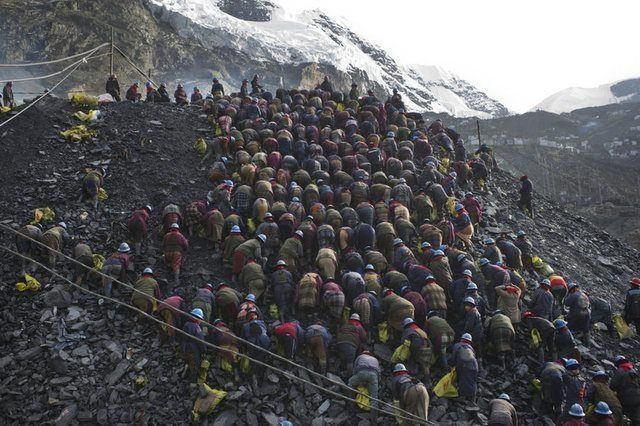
(316, 43)
(573, 98)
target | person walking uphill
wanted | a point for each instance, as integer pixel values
(146, 288)
(526, 196)
(409, 392)
(91, 185)
(463, 358)
(174, 247)
(116, 267)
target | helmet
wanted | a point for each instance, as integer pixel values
(397, 241)
(571, 286)
(404, 289)
(472, 286)
(369, 267)
(124, 248)
(430, 278)
(459, 207)
(438, 253)
(545, 282)
(262, 238)
(467, 336)
(197, 312)
(355, 317)
(299, 233)
(391, 135)
(174, 226)
(559, 324)
(619, 359)
(235, 229)
(484, 261)
(461, 257)
(281, 263)
(453, 175)
(489, 241)
(467, 273)
(268, 214)
(600, 373)
(504, 396)
(603, 408)
(576, 411)
(148, 208)
(250, 298)
(635, 282)
(520, 233)
(402, 180)
(373, 292)
(469, 301)
(407, 321)
(295, 199)
(62, 225)
(147, 271)
(399, 367)
(425, 245)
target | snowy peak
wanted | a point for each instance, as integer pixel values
(573, 98)
(312, 43)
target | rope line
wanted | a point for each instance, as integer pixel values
(134, 65)
(209, 344)
(260, 348)
(38, 99)
(54, 61)
(44, 77)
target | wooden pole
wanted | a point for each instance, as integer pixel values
(478, 129)
(111, 55)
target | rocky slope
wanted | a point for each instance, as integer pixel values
(80, 363)
(192, 40)
(567, 100)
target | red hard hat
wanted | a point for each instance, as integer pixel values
(635, 282)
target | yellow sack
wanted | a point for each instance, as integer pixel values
(537, 384)
(204, 369)
(83, 99)
(346, 314)
(29, 283)
(78, 133)
(102, 194)
(589, 409)
(43, 214)
(218, 129)
(402, 352)
(98, 262)
(200, 146)
(251, 226)
(245, 366)
(623, 329)
(535, 339)
(207, 401)
(225, 365)
(4, 109)
(443, 166)
(340, 107)
(273, 311)
(383, 332)
(451, 205)
(363, 399)
(446, 387)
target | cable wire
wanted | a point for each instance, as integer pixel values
(54, 61)
(44, 77)
(38, 99)
(287, 374)
(135, 66)
(257, 347)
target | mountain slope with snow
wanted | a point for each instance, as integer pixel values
(573, 98)
(271, 35)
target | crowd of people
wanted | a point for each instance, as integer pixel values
(343, 220)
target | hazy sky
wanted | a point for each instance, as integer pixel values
(518, 51)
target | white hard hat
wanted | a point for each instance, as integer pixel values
(174, 226)
(124, 248)
(147, 271)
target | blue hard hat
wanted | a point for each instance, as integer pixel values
(603, 408)
(197, 312)
(521, 233)
(576, 411)
(572, 364)
(459, 207)
(391, 135)
(559, 323)
(484, 261)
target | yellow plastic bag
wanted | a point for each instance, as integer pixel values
(29, 283)
(383, 332)
(92, 115)
(43, 214)
(83, 99)
(200, 146)
(207, 402)
(535, 339)
(451, 205)
(623, 329)
(251, 226)
(204, 369)
(402, 352)
(98, 262)
(346, 314)
(4, 109)
(102, 194)
(537, 384)
(363, 399)
(225, 365)
(78, 133)
(273, 311)
(245, 366)
(446, 387)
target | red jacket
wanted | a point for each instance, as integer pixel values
(139, 218)
(174, 241)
